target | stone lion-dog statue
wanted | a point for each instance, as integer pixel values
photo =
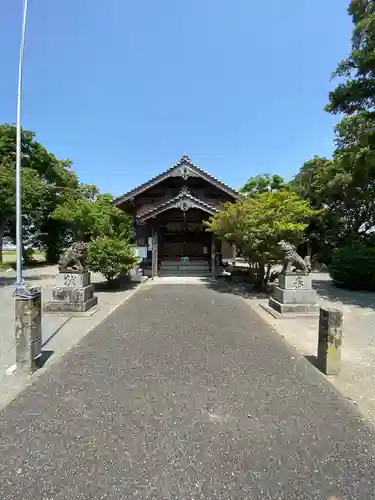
(74, 259)
(292, 259)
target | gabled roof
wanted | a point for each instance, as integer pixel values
(183, 168)
(184, 201)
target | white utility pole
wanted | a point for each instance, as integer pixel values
(19, 283)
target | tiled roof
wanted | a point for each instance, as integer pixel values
(183, 197)
(184, 161)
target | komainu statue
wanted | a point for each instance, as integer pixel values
(291, 258)
(74, 259)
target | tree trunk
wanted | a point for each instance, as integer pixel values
(261, 276)
(268, 274)
(260, 271)
(3, 225)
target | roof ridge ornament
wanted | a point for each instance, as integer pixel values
(184, 191)
(184, 159)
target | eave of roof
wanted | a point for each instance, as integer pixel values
(184, 201)
(184, 161)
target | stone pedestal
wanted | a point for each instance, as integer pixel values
(294, 294)
(28, 329)
(73, 293)
(330, 341)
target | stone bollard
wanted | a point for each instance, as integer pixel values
(330, 341)
(28, 329)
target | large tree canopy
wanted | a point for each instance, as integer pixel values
(257, 223)
(357, 91)
(45, 182)
(263, 183)
(93, 217)
(345, 184)
(90, 215)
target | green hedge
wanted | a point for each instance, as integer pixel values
(353, 267)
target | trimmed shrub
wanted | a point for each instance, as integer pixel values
(110, 257)
(353, 267)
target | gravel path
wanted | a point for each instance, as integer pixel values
(184, 393)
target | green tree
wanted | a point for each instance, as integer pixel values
(45, 180)
(345, 184)
(357, 92)
(90, 215)
(108, 230)
(31, 193)
(263, 183)
(314, 183)
(256, 224)
(352, 189)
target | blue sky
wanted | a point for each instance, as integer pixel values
(125, 88)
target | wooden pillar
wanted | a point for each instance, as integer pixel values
(213, 257)
(154, 264)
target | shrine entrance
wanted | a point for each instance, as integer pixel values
(182, 246)
(183, 234)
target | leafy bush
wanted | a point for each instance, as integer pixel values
(111, 257)
(353, 267)
(28, 255)
(4, 266)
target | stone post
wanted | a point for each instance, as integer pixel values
(28, 329)
(330, 341)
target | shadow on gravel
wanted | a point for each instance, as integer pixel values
(10, 280)
(324, 288)
(119, 285)
(5, 281)
(244, 290)
(327, 291)
(29, 265)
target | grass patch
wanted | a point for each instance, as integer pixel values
(9, 256)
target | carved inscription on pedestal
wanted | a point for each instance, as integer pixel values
(69, 279)
(298, 283)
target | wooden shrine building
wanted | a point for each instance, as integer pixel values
(169, 212)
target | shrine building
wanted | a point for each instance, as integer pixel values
(168, 213)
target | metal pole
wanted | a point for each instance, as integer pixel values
(19, 283)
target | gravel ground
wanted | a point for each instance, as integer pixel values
(45, 276)
(357, 377)
(184, 393)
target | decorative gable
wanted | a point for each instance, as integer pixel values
(184, 169)
(183, 201)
